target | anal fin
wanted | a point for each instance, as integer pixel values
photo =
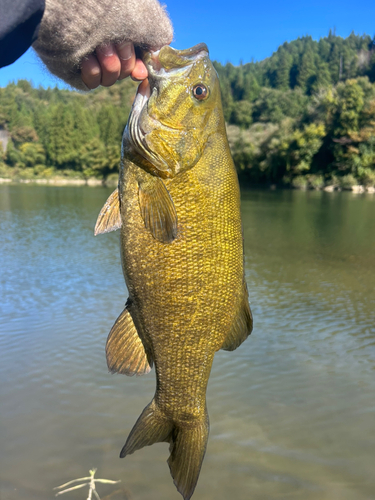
(242, 325)
(125, 350)
(109, 218)
(157, 209)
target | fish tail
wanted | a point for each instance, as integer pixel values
(188, 447)
(188, 441)
(151, 427)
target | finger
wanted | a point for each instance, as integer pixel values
(91, 72)
(125, 51)
(140, 71)
(110, 64)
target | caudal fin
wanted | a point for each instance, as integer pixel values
(188, 443)
(188, 447)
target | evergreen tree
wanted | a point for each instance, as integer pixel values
(308, 110)
(60, 141)
(283, 71)
(307, 71)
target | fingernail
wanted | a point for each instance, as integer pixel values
(125, 50)
(107, 50)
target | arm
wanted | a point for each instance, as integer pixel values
(71, 31)
(19, 25)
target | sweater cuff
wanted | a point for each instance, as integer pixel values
(70, 31)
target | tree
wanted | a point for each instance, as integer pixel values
(59, 139)
(23, 134)
(109, 125)
(303, 146)
(31, 155)
(283, 71)
(251, 87)
(307, 72)
(242, 114)
(92, 159)
(349, 107)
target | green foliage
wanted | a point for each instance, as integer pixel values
(300, 182)
(3, 167)
(31, 155)
(347, 181)
(242, 114)
(315, 181)
(304, 144)
(21, 134)
(304, 117)
(320, 98)
(366, 176)
(274, 105)
(61, 132)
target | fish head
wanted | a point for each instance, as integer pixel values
(173, 118)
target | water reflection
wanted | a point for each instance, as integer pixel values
(292, 410)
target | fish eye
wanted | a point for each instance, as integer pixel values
(200, 91)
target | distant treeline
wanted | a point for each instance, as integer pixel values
(304, 116)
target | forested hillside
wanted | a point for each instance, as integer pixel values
(61, 132)
(304, 116)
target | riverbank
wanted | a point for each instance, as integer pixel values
(112, 182)
(62, 181)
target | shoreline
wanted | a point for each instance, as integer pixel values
(60, 181)
(93, 182)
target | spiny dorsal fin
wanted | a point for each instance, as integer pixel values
(242, 325)
(157, 209)
(109, 218)
(125, 350)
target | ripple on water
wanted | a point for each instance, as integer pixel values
(291, 411)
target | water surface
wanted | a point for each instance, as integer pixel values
(292, 410)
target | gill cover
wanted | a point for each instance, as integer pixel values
(170, 128)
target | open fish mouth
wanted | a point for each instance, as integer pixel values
(164, 64)
(168, 62)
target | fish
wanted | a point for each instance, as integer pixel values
(178, 207)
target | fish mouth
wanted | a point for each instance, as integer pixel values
(166, 63)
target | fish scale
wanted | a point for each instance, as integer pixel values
(182, 255)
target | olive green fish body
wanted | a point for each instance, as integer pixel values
(182, 255)
(187, 293)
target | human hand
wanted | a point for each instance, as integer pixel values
(111, 63)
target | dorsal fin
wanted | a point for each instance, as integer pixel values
(125, 350)
(109, 218)
(157, 209)
(242, 325)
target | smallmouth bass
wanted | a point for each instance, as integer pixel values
(178, 206)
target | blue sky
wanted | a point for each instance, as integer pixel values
(236, 31)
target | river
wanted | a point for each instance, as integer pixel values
(292, 411)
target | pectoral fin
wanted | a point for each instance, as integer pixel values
(125, 350)
(242, 325)
(157, 209)
(109, 218)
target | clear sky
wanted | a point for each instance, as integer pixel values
(238, 30)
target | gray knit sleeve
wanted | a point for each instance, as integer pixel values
(72, 29)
